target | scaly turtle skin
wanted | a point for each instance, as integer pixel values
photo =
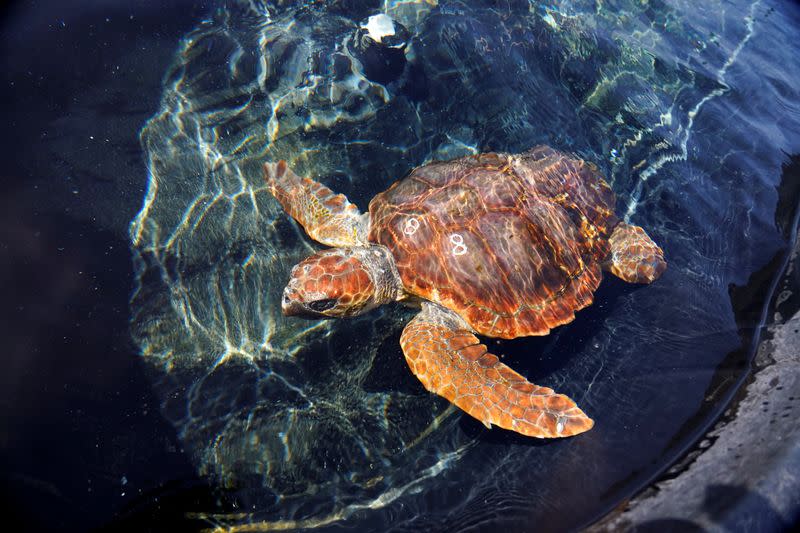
(495, 244)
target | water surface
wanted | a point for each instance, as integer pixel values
(253, 418)
(687, 111)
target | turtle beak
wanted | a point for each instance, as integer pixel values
(290, 305)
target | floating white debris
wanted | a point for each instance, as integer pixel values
(379, 26)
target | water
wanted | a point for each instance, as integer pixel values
(690, 112)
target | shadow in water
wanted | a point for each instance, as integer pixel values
(737, 508)
(732, 507)
(668, 525)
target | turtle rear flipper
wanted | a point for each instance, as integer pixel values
(634, 256)
(450, 361)
(327, 217)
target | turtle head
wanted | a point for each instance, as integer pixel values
(341, 282)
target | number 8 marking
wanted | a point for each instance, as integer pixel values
(459, 248)
(411, 227)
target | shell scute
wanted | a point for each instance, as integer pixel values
(438, 174)
(455, 206)
(496, 193)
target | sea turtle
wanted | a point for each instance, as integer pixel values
(493, 244)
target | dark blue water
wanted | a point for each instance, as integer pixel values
(206, 406)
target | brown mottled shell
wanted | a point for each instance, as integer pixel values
(513, 244)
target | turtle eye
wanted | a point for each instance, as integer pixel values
(318, 306)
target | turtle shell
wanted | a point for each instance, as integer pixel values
(512, 243)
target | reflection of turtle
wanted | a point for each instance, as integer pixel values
(494, 244)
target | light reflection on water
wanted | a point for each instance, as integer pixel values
(313, 422)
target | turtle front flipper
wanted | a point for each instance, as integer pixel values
(450, 361)
(634, 256)
(327, 217)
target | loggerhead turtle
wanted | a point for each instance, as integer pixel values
(494, 244)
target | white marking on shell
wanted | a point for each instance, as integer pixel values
(560, 425)
(459, 247)
(411, 226)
